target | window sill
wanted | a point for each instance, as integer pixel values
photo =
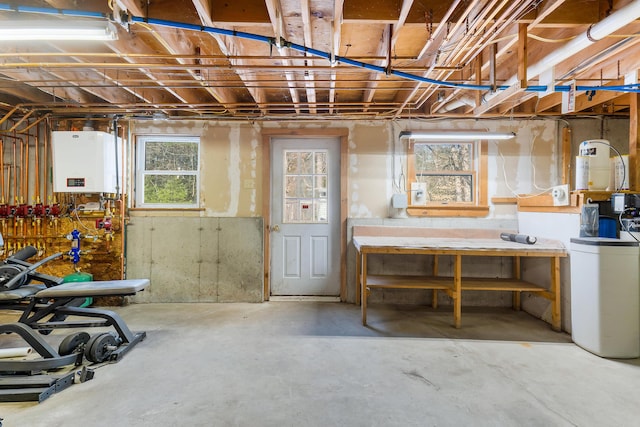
(449, 210)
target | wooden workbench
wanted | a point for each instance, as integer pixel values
(458, 248)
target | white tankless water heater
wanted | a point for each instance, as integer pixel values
(86, 162)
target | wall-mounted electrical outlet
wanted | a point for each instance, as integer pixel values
(418, 193)
(560, 194)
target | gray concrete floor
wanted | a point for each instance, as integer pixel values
(314, 364)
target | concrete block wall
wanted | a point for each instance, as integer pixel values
(193, 259)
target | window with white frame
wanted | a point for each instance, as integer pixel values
(168, 171)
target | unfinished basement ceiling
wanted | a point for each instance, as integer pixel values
(327, 59)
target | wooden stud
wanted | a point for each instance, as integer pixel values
(344, 212)
(479, 79)
(266, 212)
(492, 66)
(434, 297)
(363, 289)
(483, 179)
(358, 275)
(556, 320)
(516, 275)
(457, 291)
(566, 155)
(522, 55)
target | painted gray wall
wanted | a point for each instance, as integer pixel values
(196, 259)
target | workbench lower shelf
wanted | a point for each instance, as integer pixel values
(456, 284)
(447, 283)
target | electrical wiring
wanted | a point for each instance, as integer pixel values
(622, 227)
(506, 180)
(533, 166)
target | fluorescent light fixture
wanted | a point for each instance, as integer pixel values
(57, 30)
(445, 135)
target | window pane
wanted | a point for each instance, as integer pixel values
(321, 210)
(298, 186)
(321, 163)
(443, 157)
(305, 186)
(291, 211)
(321, 186)
(171, 156)
(306, 162)
(449, 188)
(306, 210)
(291, 161)
(170, 189)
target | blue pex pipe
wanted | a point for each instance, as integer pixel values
(635, 88)
(50, 11)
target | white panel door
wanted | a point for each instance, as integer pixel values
(305, 216)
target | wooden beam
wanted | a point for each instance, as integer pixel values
(226, 44)
(174, 44)
(336, 25)
(305, 14)
(404, 12)
(478, 74)
(384, 48)
(566, 155)
(492, 65)
(556, 13)
(522, 55)
(277, 22)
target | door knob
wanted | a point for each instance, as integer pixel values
(275, 228)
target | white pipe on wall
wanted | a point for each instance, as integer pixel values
(596, 32)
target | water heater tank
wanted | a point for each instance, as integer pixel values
(86, 162)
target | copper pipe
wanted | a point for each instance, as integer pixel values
(9, 114)
(24, 130)
(21, 185)
(19, 122)
(47, 132)
(36, 190)
(2, 200)
(15, 167)
(25, 188)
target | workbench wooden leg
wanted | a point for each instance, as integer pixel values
(556, 302)
(363, 290)
(516, 300)
(434, 272)
(358, 272)
(516, 274)
(457, 292)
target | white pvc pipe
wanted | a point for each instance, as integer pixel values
(608, 25)
(14, 352)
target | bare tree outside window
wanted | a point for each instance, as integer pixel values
(305, 186)
(447, 169)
